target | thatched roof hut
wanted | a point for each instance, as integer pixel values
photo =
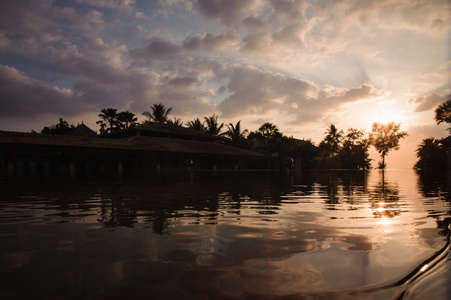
(151, 145)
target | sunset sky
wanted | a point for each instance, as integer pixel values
(302, 65)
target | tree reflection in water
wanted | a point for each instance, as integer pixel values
(435, 185)
(384, 198)
(225, 233)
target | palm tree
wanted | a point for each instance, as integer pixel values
(269, 131)
(332, 141)
(159, 113)
(431, 154)
(197, 124)
(109, 120)
(127, 119)
(443, 112)
(176, 122)
(235, 134)
(212, 125)
(61, 128)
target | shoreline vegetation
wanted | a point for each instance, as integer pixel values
(338, 150)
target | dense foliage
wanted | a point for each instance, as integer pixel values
(431, 154)
(61, 128)
(112, 121)
(443, 112)
(385, 138)
(338, 149)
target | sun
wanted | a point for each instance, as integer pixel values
(386, 116)
(381, 110)
(385, 111)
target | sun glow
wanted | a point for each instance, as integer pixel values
(386, 116)
(383, 111)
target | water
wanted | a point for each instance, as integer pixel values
(227, 235)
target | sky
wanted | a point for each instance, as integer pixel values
(301, 65)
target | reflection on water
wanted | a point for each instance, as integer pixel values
(224, 235)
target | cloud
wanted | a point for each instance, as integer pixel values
(288, 8)
(132, 32)
(259, 37)
(160, 52)
(160, 47)
(212, 41)
(427, 101)
(92, 23)
(27, 98)
(183, 81)
(168, 5)
(97, 49)
(29, 27)
(124, 5)
(227, 11)
(291, 35)
(257, 93)
(283, 30)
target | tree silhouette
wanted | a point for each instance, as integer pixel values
(176, 122)
(332, 141)
(443, 112)
(212, 125)
(431, 154)
(61, 128)
(235, 135)
(197, 124)
(158, 114)
(307, 151)
(386, 137)
(109, 122)
(127, 119)
(269, 131)
(353, 153)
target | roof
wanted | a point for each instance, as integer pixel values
(134, 143)
(187, 146)
(22, 138)
(83, 130)
(163, 130)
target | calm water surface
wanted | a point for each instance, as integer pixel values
(227, 235)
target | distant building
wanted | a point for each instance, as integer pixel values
(149, 146)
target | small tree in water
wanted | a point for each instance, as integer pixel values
(386, 137)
